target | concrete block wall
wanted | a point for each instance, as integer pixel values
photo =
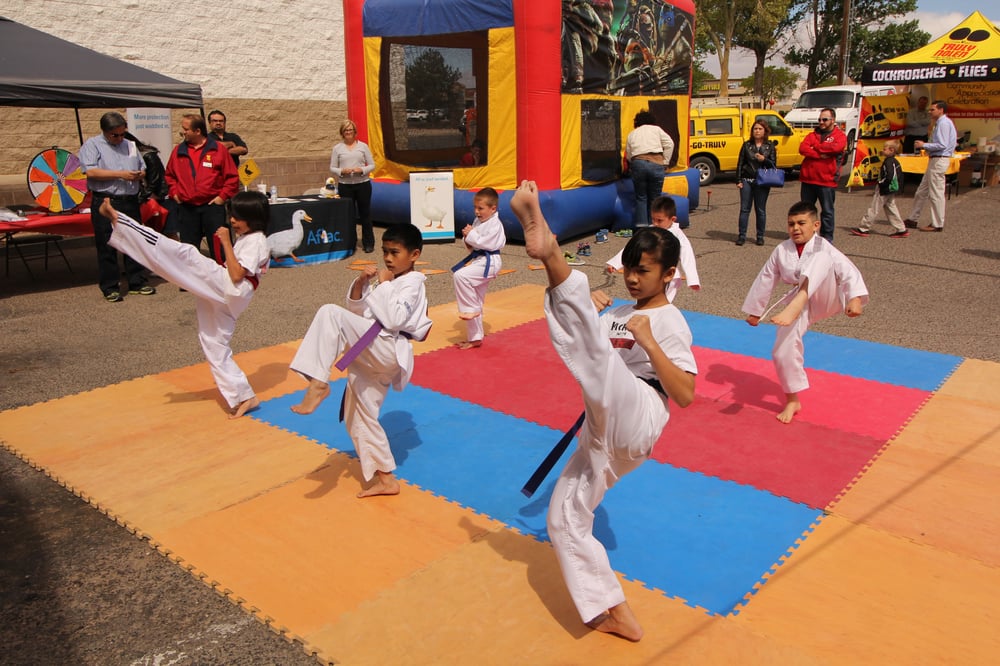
(275, 67)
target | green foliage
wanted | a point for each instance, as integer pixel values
(776, 82)
(430, 82)
(699, 76)
(869, 25)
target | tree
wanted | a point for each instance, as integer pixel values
(430, 82)
(776, 82)
(824, 22)
(699, 75)
(716, 23)
(758, 31)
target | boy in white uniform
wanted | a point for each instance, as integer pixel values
(627, 362)
(396, 307)
(826, 283)
(663, 214)
(222, 291)
(484, 238)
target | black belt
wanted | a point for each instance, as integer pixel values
(129, 198)
(655, 383)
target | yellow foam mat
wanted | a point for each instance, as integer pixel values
(851, 594)
(903, 571)
(937, 481)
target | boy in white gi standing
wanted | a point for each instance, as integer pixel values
(484, 238)
(627, 362)
(222, 291)
(393, 307)
(663, 213)
(826, 283)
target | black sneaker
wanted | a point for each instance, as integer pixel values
(112, 297)
(858, 231)
(909, 224)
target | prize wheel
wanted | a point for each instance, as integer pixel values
(56, 180)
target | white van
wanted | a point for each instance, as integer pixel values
(844, 100)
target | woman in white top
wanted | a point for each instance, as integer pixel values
(351, 163)
(648, 150)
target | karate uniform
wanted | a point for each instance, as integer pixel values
(833, 281)
(400, 305)
(472, 279)
(624, 418)
(218, 303)
(687, 268)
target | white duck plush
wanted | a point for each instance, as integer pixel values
(283, 243)
(430, 211)
(329, 191)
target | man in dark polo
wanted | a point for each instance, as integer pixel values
(230, 140)
(114, 169)
(201, 178)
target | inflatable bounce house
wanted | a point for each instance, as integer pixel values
(497, 91)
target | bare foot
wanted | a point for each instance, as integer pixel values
(385, 484)
(792, 407)
(247, 405)
(108, 211)
(620, 621)
(538, 239)
(794, 308)
(469, 344)
(315, 394)
(469, 315)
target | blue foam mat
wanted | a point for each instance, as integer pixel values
(698, 538)
(874, 361)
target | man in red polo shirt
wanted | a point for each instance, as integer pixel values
(201, 178)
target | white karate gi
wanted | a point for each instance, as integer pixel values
(687, 268)
(218, 303)
(472, 280)
(833, 280)
(624, 418)
(400, 305)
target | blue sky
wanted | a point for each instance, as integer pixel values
(934, 16)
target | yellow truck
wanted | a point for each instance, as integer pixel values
(717, 133)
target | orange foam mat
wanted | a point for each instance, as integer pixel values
(936, 481)
(266, 369)
(851, 594)
(504, 309)
(501, 600)
(309, 551)
(164, 458)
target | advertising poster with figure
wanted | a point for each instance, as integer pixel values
(632, 47)
(882, 117)
(432, 204)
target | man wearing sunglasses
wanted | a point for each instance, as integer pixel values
(822, 151)
(114, 169)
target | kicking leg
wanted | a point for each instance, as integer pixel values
(539, 241)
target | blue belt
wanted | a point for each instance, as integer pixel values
(473, 255)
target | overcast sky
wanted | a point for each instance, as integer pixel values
(934, 16)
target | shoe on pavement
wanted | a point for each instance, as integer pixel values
(112, 297)
(858, 231)
(572, 259)
(910, 224)
(900, 234)
(931, 228)
(760, 241)
(741, 241)
(144, 290)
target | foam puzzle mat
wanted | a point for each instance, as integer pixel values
(864, 532)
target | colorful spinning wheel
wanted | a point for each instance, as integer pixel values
(56, 180)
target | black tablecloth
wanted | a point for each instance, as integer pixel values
(330, 236)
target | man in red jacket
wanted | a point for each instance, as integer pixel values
(201, 178)
(820, 172)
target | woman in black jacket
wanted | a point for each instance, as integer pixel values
(756, 152)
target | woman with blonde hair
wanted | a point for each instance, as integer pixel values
(352, 163)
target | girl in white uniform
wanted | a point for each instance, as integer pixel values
(397, 307)
(627, 362)
(485, 238)
(223, 291)
(826, 283)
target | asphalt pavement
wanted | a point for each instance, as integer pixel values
(77, 588)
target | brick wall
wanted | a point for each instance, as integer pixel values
(275, 67)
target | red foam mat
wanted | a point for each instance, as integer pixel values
(729, 432)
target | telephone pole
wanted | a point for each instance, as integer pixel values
(845, 44)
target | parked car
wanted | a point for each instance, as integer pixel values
(718, 133)
(417, 115)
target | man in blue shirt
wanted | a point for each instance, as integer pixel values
(114, 169)
(940, 150)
